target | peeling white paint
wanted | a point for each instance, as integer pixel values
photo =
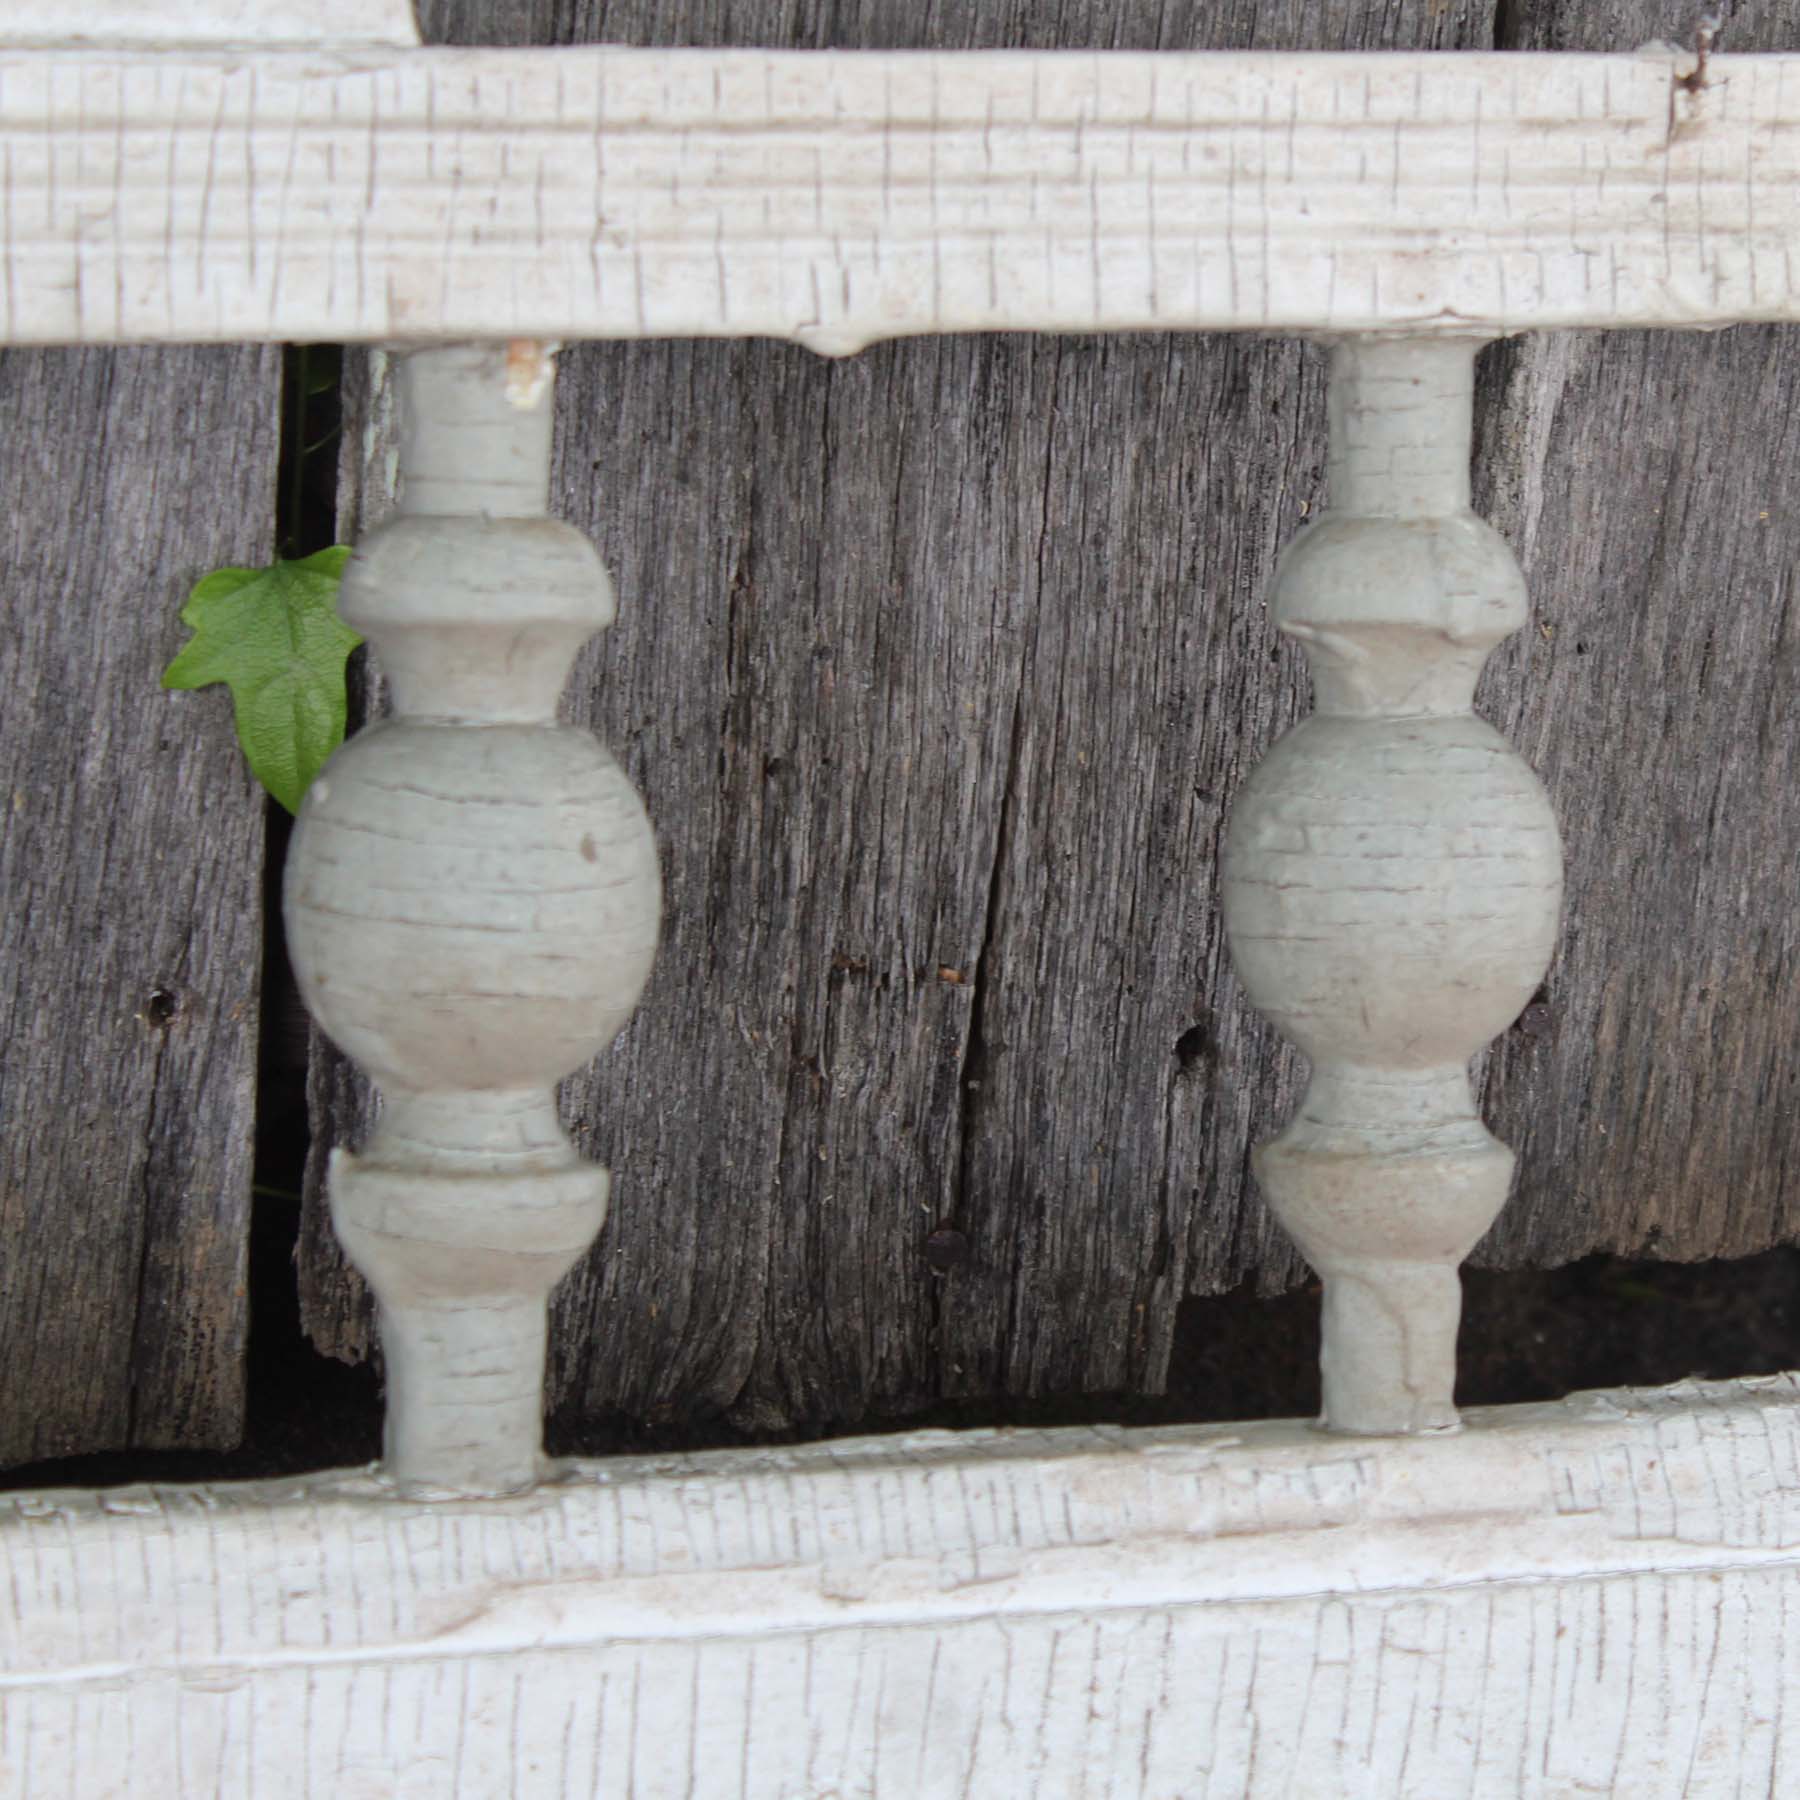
(412, 195)
(1588, 1597)
(162, 25)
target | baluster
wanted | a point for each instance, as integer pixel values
(1393, 882)
(472, 906)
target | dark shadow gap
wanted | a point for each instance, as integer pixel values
(1537, 1335)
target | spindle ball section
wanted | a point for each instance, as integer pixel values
(1392, 888)
(472, 908)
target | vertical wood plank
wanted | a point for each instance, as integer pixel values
(1647, 481)
(131, 864)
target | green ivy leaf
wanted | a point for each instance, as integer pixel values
(274, 637)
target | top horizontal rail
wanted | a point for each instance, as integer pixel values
(838, 198)
(159, 24)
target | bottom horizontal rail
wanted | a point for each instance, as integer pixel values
(1585, 1597)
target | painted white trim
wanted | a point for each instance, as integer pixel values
(840, 198)
(1587, 1597)
(163, 24)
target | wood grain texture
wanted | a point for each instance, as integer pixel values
(1647, 481)
(1590, 1597)
(1656, 695)
(839, 200)
(131, 864)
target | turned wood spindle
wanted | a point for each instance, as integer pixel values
(1393, 882)
(472, 906)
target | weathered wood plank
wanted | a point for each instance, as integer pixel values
(131, 863)
(1647, 481)
(1582, 1598)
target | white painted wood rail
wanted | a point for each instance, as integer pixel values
(1589, 1597)
(840, 198)
(1584, 1598)
(159, 26)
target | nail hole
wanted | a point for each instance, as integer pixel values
(160, 1006)
(1193, 1048)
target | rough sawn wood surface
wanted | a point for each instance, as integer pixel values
(939, 668)
(131, 850)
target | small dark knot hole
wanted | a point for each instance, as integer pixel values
(945, 1248)
(159, 1008)
(1537, 1020)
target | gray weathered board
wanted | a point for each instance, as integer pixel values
(131, 848)
(939, 668)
